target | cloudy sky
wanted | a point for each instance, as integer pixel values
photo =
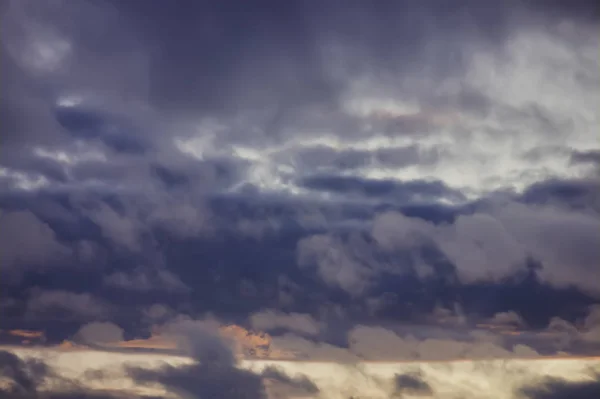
(360, 180)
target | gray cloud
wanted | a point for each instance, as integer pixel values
(508, 319)
(27, 379)
(412, 384)
(50, 304)
(145, 280)
(488, 245)
(560, 388)
(337, 263)
(99, 333)
(25, 241)
(295, 322)
(216, 374)
(387, 160)
(592, 157)
(280, 385)
(407, 343)
(496, 244)
(402, 192)
(25, 376)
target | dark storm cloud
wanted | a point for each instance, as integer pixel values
(59, 304)
(286, 386)
(87, 124)
(412, 384)
(401, 192)
(170, 178)
(218, 285)
(586, 157)
(24, 379)
(146, 279)
(205, 380)
(563, 389)
(572, 193)
(25, 375)
(155, 133)
(25, 241)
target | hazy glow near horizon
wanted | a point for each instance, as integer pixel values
(498, 378)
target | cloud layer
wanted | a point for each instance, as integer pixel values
(396, 181)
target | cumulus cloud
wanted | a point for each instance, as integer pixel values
(157, 312)
(338, 263)
(375, 343)
(580, 335)
(509, 319)
(99, 332)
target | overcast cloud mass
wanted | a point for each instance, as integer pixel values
(388, 180)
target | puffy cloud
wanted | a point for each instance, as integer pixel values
(292, 346)
(122, 230)
(380, 343)
(337, 262)
(488, 245)
(591, 325)
(99, 333)
(158, 311)
(375, 343)
(509, 319)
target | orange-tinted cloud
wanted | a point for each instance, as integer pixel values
(245, 343)
(154, 342)
(28, 334)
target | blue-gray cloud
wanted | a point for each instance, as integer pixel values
(211, 157)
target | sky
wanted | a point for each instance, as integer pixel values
(332, 181)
